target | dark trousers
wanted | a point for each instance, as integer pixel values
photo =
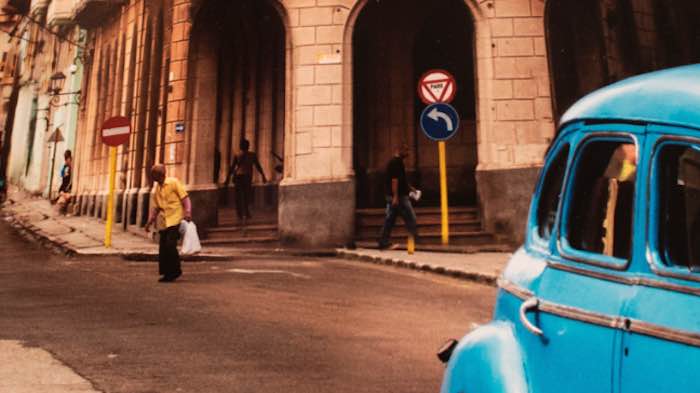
(244, 194)
(168, 257)
(405, 210)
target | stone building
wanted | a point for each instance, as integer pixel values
(8, 81)
(40, 120)
(324, 88)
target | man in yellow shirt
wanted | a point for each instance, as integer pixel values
(169, 206)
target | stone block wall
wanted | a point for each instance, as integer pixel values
(318, 149)
(514, 112)
(521, 109)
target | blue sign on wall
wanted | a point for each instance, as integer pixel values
(439, 121)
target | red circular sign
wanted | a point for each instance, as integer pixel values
(437, 86)
(116, 130)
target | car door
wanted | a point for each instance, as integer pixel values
(661, 343)
(581, 292)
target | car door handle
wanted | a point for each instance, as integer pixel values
(530, 304)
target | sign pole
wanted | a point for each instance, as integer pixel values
(439, 121)
(443, 194)
(53, 166)
(110, 200)
(115, 132)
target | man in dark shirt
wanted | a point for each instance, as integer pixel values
(397, 200)
(242, 172)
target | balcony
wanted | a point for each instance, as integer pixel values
(91, 13)
(60, 13)
(38, 7)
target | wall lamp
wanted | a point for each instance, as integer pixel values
(56, 85)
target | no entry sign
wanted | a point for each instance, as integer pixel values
(437, 86)
(116, 130)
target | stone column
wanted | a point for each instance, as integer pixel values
(515, 115)
(188, 155)
(317, 195)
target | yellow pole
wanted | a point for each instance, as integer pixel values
(443, 195)
(110, 200)
(411, 246)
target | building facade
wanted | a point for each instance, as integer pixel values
(324, 89)
(39, 123)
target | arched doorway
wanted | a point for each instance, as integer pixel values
(237, 91)
(594, 43)
(390, 53)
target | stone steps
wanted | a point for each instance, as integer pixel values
(465, 227)
(260, 229)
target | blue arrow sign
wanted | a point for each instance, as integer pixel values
(439, 121)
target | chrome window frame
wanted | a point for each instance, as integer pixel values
(654, 254)
(565, 249)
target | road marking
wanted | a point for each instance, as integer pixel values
(250, 271)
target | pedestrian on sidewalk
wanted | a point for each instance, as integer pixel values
(64, 196)
(170, 204)
(242, 172)
(397, 199)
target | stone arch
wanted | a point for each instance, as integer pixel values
(238, 87)
(482, 74)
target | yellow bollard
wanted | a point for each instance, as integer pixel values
(110, 200)
(411, 246)
(443, 194)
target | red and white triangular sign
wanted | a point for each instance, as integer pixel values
(437, 86)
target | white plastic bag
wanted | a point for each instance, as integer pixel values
(190, 238)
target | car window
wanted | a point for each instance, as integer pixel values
(679, 197)
(550, 194)
(602, 198)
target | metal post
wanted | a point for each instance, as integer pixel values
(53, 166)
(443, 194)
(110, 200)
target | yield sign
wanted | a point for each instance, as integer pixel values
(437, 86)
(116, 130)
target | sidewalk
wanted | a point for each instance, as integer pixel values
(482, 267)
(83, 236)
(34, 370)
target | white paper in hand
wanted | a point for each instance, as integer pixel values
(415, 195)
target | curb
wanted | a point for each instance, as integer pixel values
(290, 252)
(151, 257)
(34, 234)
(480, 278)
(61, 247)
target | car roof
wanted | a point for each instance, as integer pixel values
(670, 96)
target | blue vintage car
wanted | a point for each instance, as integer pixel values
(604, 296)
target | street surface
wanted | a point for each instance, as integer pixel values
(258, 324)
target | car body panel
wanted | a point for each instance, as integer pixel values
(487, 360)
(612, 325)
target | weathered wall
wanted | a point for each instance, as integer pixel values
(512, 123)
(142, 63)
(123, 77)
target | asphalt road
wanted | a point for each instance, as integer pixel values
(258, 324)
